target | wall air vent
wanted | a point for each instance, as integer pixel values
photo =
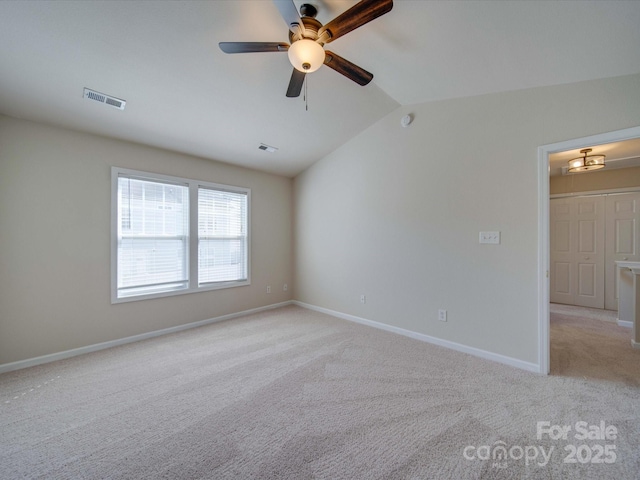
(267, 148)
(106, 99)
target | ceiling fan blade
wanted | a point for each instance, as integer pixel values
(249, 47)
(346, 68)
(290, 14)
(295, 84)
(361, 13)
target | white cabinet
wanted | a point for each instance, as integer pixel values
(629, 300)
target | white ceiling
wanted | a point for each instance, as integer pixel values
(184, 94)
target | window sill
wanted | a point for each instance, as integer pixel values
(184, 291)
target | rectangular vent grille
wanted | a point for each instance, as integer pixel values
(267, 148)
(106, 99)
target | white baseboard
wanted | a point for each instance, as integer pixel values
(30, 362)
(625, 323)
(513, 362)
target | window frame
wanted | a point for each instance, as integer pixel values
(192, 245)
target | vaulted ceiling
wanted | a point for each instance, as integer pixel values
(184, 94)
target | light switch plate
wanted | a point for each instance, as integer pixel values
(490, 237)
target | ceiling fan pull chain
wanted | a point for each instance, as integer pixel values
(306, 96)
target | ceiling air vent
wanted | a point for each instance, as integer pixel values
(267, 148)
(106, 99)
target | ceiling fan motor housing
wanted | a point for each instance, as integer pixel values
(311, 27)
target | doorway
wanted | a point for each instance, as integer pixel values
(543, 227)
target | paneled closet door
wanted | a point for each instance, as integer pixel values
(622, 234)
(561, 240)
(590, 251)
(578, 251)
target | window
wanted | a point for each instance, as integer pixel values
(174, 235)
(222, 236)
(153, 236)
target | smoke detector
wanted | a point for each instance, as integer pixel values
(103, 98)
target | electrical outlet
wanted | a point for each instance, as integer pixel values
(268, 288)
(442, 315)
(363, 299)
(285, 287)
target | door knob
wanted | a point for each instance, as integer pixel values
(624, 258)
(586, 258)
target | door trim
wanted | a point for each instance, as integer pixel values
(544, 151)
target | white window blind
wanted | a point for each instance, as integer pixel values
(171, 235)
(222, 236)
(153, 236)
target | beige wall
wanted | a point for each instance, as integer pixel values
(589, 182)
(395, 213)
(55, 250)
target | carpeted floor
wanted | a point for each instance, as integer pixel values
(610, 316)
(587, 342)
(296, 394)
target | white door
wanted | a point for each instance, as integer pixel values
(622, 233)
(578, 251)
(589, 253)
(561, 239)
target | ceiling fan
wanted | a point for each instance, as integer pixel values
(307, 37)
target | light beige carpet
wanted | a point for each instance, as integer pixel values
(296, 394)
(584, 312)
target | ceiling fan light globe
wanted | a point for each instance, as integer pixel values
(305, 53)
